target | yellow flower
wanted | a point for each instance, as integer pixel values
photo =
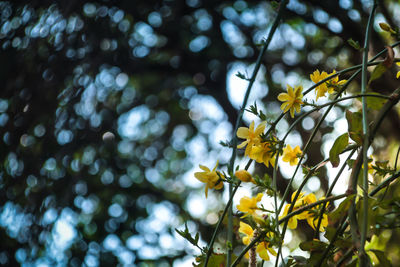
(312, 220)
(210, 178)
(262, 250)
(262, 153)
(398, 73)
(300, 202)
(249, 205)
(311, 217)
(262, 247)
(291, 155)
(252, 136)
(292, 223)
(244, 176)
(334, 82)
(321, 89)
(291, 100)
(246, 229)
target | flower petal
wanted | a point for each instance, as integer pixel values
(243, 132)
(283, 97)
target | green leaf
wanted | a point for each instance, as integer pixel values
(343, 244)
(354, 121)
(354, 44)
(242, 76)
(313, 245)
(383, 261)
(338, 146)
(378, 71)
(185, 234)
(216, 259)
(330, 232)
(341, 211)
(375, 103)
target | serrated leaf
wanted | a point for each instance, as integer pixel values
(377, 72)
(338, 146)
(340, 211)
(313, 245)
(375, 103)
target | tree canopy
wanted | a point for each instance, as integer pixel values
(107, 107)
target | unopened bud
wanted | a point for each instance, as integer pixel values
(243, 176)
(386, 27)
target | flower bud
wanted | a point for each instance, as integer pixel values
(385, 26)
(243, 176)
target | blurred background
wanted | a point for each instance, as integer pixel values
(107, 108)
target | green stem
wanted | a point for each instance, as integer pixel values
(338, 232)
(301, 158)
(302, 116)
(382, 185)
(312, 205)
(285, 219)
(328, 193)
(364, 227)
(232, 191)
(227, 207)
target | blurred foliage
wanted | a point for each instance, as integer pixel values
(104, 106)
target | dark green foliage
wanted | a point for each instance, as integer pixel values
(75, 73)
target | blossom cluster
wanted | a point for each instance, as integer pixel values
(265, 148)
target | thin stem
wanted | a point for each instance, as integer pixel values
(364, 227)
(312, 205)
(301, 158)
(285, 219)
(328, 193)
(397, 157)
(232, 191)
(384, 184)
(338, 232)
(209, 250)
(302, 116)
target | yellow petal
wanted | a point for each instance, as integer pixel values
(245, 229)
(243, 175)
(292, 112)
(272, 251)
(243, 132)
(292, 224)
(251, 127)
(262, 251)
(201, 177)
(284, 105)
(243, 144)
(283, 97)
(260, 128)
(216, 165)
